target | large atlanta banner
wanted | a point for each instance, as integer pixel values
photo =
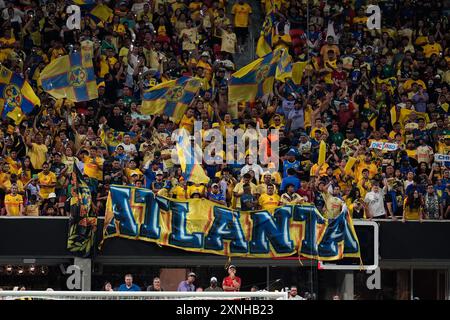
(200, 225)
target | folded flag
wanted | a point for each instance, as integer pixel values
(83, 219)
(72, 76)
(17, 98)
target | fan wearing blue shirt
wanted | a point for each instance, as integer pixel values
(290, 162)
(290, 179)
(128, 285)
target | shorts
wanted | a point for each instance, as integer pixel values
(241, 33)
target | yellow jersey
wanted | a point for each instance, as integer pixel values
(44, 180)
(269, 202)
(13, 203)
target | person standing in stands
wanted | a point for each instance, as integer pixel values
(14, 202)
(232, 283)
(129, 285)
(188, 284)
(213, 285)
(156, 286)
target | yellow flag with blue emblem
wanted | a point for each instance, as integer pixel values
(255, 80)
(72, 76)
(17, 98)
(171, 97)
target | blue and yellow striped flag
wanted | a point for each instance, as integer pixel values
(254, 80)
(171, 97)
(17, 98)
(71, 76)
(192, 169)
(265, 41)
(284, 66)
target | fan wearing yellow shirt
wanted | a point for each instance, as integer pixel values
(190, 37)
(432, 48)
(14, 203)
(36, 151)
(179, 191)
(241, 12)
(282, 40)
(132, 169)
(47, 181)
(197, 188)
(14, 163)
(270, 200)
(229, 40)
(366, 164)
(93, 165)
(238, 190)
(187, 121)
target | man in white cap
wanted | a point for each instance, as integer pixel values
(231, 283)
(213, 285)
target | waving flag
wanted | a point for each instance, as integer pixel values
(254, 80)
(101, 13)
(265, 41)
(192, 169)
(171, 97)
(284, 66)
(17, 98)
(72, 76)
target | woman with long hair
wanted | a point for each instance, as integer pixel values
(413, 207)
(25, 171)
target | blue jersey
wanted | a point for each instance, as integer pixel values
(218, 197)
(287, 165)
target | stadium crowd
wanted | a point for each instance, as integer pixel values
(360, 86)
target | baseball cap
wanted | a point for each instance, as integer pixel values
(52, 195)
(291, 152)
(213, 279)
(192, 274)
(214, 185)
(159, 172)
(231, 266)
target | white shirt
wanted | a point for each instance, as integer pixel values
(129, 148)
(297, 297)
(298, 119)
(17, 17)
(256, 169)
(375, 202)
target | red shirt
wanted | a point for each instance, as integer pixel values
(227, 281)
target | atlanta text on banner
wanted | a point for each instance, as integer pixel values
(202, 226)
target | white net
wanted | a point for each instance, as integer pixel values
(164, 295)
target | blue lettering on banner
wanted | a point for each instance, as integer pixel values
(271, 229)
(312, 218)
(122, 213)
(338, 232)
(179, 236)
(150, 227)
(227, 226)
